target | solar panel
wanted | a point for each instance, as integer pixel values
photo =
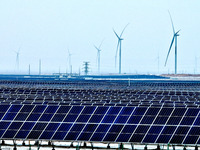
(161, 114)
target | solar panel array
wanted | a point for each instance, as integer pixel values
(137, 114)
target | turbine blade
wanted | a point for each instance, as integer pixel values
(101, 44)
(96, 48)
(177, 32)
(116, 34)
(171, 22)
(123, 30)
(169, 50)
(68, 51)
(116, 52)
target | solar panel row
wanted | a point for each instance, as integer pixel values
(103, 124)
(99, 97)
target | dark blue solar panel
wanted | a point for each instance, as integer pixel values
(15, 108)
(58, 117)
(15, 125)
(76, 109)
(121, 119)
(46, 135)
(134, 119)
(182, 130)
(194, 130)
(59, 135)
(9, 116)
(39, 109)
(155, 129)
(52, 126)
(165, 111)
(126, 110)
(1, 115)
(110, 137)
(192, 112)
(177, 139)
(21, 116)
(163, 139)
(129, 128)
(64, 127)
(103, 128)
(4, 108)
(174, 120)
(96, 118)
(27, 108)
(101, 110)
(116, 128)
(168, 129)
(179, 111)
(90, 128)
(142, 129)
(139, 111)
(33, 117)
(51, 109)
(150, 138)
(46, 117)
(114, 110)
(22, 134)
(108, 119)
(83, 118)
(190, 139)
(64, 109)
(9, 134)
(187, 121)
(147, 120)
(71, 118)
(1, 132)
(161, 120)
(28, 125)
(77, 127)
(72, 136)
(123, 137)
(40, 126)
(152, 111)
(85, 136)
(97, 137)
(34, 134)
(197, 121)
(88, 110)
(137, 137)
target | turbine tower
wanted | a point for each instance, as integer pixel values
(119, 46)
(70, 65)
(98, 55)
(17, 58)
(173, 39)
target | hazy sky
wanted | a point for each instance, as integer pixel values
(46, 29)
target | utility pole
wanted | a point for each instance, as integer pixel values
(86, 68)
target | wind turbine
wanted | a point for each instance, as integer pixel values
(119, 46)
(17, 58)
(173, 39)
(70, 65)
(98, 55)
